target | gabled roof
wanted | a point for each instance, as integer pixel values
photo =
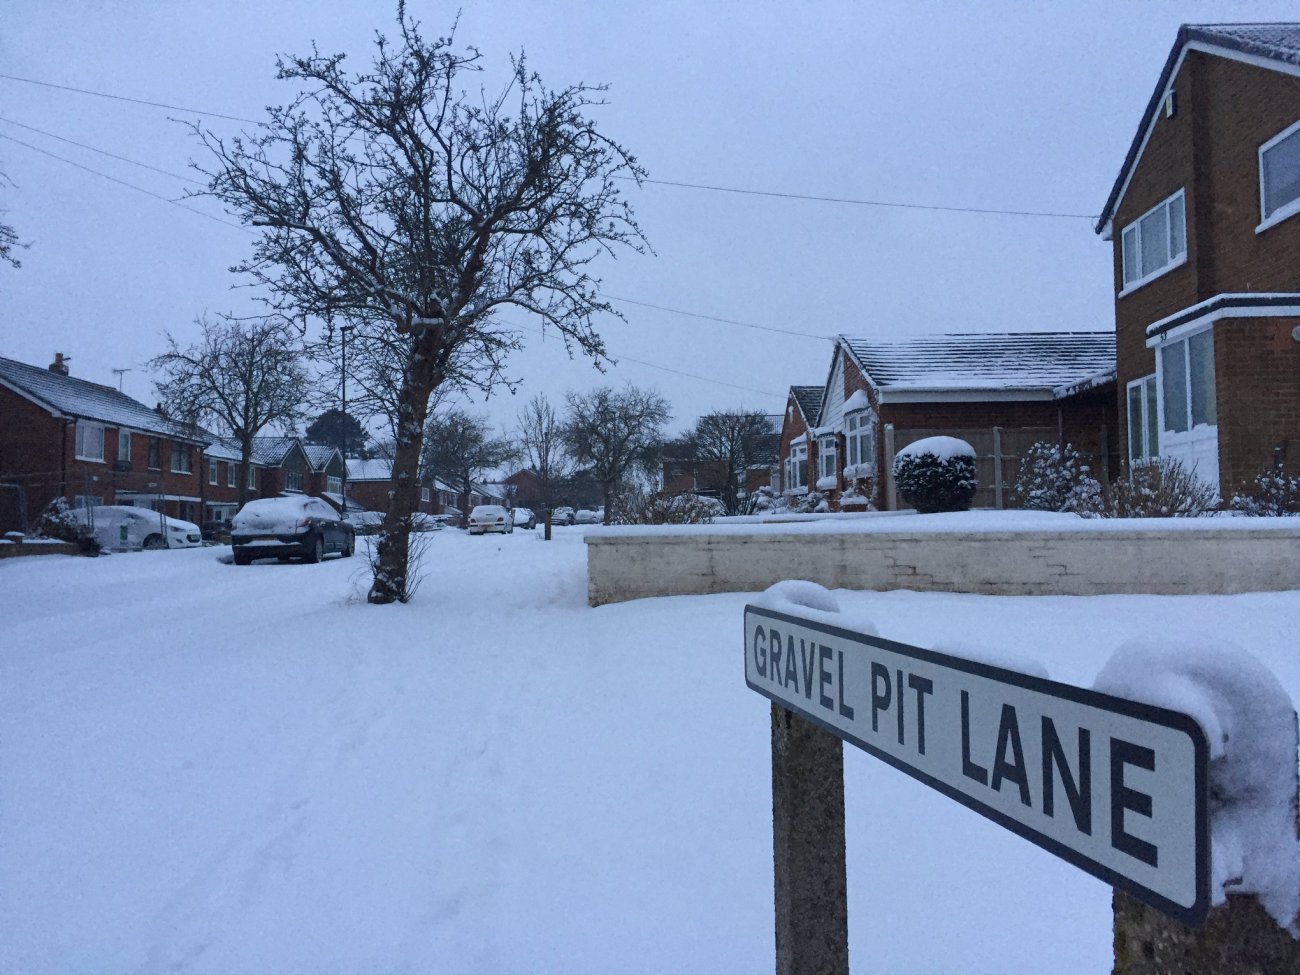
(76, 398)
(273, 451)
(1265, 45)
(1039, 363)
(373, 469)
(809, 399)
(319, 455)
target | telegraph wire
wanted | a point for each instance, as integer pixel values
(724, 321)
(710, 187)
(122, 182)
(102, 152)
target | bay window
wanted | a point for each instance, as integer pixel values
(859, 442)
(1187, 383)
(826, 457)
(796, 468)
(1155, 242)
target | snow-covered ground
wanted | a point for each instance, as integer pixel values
(206, 768)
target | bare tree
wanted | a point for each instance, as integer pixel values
(615, 433)
(543, 447)
(240, 377)
(9, 242)
(394, 201)
(723, 446)
(460, 449)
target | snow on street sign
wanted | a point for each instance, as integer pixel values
(1115, 787)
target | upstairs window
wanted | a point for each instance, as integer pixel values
(90, 440)
(230, 474)
(1187, 383)
(182, 459)
(123, 446)
(1279, 176)
(1143, 422)
(155, 454)
(1155, 242)
(213, 468)
(252, 478)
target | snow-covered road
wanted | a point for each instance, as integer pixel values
(206, 768)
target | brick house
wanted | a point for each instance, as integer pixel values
(1207, 258)
(221, 483)
(370, 485)
(1001, 392)
(90, 444)
(324, 470)
(686, 473)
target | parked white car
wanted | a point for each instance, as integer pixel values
(523, 517)
(585, 516)
(123, 528)
(490, 518)
(562, 516)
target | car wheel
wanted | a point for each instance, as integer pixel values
(243, 558)
(317, 550)
(349, 548)
(155, 542)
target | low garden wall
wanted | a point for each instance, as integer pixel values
(1036, 555)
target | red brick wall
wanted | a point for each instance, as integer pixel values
(1226, 110)
(791, 428)
(1257, 375)
(29, 456)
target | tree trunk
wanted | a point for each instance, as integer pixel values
(392, 569)
(246, 464)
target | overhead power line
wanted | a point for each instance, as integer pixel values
(122, 182)
(102, 152)
(724, 321)
(709, 187)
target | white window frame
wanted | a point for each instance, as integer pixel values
(252, 478)
(182, 461)
(795, 465)
(88, 430)
(1135, 227)
(123, 441)
(424, 494)
(826, 456)
(154, 459)
(1290, 209)
(214, 473)
(1148, 420)
(230, 474)
(1183, 345)
(87, 501)
(859, 439)
(292, 479)
(334, 483)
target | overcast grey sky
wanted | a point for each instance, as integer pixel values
(990, 105)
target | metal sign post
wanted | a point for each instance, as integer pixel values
(1117, 788)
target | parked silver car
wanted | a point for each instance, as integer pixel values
(562, 516)
(490, 518)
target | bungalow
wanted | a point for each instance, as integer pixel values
(1206, 258)
(1001, 392)
(63, 437)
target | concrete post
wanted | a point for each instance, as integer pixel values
(1238, 938)
(812, 927)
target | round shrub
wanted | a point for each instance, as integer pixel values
(1056, 478)
(936, 474)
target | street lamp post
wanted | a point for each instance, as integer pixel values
(343, 331)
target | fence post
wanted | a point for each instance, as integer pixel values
(997, 467)
(891, 489)
(808, 863)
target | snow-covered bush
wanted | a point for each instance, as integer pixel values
(1161, 488)
(1055, 478)
(860, 494)
(669, 509)
(764, 500)
(810, 503)
(1273, 493)
(936, 474)
(58, 521)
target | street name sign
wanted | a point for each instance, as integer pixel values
(1113, 786)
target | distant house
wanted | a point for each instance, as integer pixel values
(64, 437)
(684, 472)
(999, 392)
(1203, 217)
(527, 488)
(222, 483)
(370, 485)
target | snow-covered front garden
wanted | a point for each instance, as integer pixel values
(211, 768)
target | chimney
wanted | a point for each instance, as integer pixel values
(60, 364)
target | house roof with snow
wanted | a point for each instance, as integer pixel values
(1274, 46)
(274, 451)
(984, 366)
(67, 396)
(809, 399)
(319, 455)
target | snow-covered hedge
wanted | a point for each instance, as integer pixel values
(60, 522)
(1056, 478)
(936, 474)
(1273, 493)
(1161, 488)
